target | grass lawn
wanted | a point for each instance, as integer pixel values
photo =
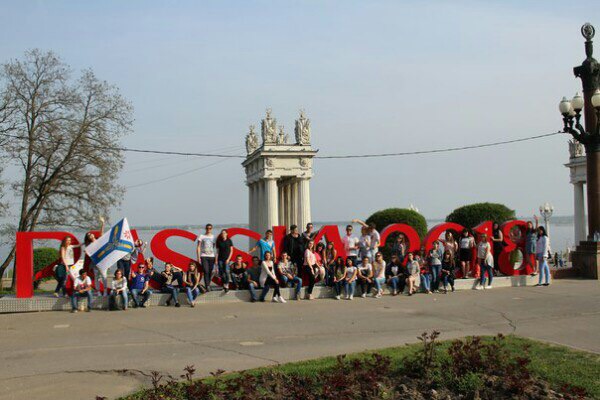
(557, 365)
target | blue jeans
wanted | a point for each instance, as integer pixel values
(486, 268)
(295, 281)
(393, 282)
(192, 293)
(173, 291)
(544, 271)
(338, 287)
(252, 289)
(224, 272)
(123, 295)
(378, 283)
(426, 282)
(135, 293)
(435, 276)
(350, 287)
(77, 295)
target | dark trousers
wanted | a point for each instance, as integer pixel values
(365, 286)
(208, 264)
(448, 278)
(268, 283)
(308, 270)
(60, 284)
(125, 267)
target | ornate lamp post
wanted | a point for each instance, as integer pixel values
(587, 255)
(546, 211)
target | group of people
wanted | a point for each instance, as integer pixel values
(303, 262)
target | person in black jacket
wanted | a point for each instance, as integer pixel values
(447, 271)
(293, 245)
(394, 276)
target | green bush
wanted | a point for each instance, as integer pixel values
(389, 216)
(472, 215)
(42, 257)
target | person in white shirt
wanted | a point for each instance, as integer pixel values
(486, 262)
(365, 277)
(466, 244)
(82, 287)
(378, 274)
(350, 277)
(205, 250)
(542, 250)
(100, 276)
(61, 270)
(413, 269)
(119, 288)
(268, 278)
(350, 244)
(374, 237)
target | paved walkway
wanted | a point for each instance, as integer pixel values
(46, 355)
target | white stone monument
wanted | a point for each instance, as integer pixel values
(278, 175)
(577, 166)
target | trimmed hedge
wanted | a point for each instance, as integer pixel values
(42, 257)
(472, 215)
(389, 216)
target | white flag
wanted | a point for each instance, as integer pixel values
(112, 246)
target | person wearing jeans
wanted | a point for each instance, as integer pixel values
(393, 275)
(82, 287)
(365, 276)
(435, 263)
(288, 273)
(205, 250)
(378, 274)
(140, 285)
(311, 268)
(223, 259)
(253, 277)
(192, 282)
(339, 276)
(448, 270)
(486, 262)
(119, 288)
(350, 279)
(543, 248)
(169, 278)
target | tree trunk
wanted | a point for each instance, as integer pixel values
(6, 263)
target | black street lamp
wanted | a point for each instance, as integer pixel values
(587, 255)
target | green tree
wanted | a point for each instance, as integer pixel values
(472, 215)
(389, 216)
(42, 257)
(65, 134)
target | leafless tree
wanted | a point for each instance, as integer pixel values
(64, 134)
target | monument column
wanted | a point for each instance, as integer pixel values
(303, 202)
(280, 203)
(271, 206)
(579, 212)
(294, 204)
(251, 207)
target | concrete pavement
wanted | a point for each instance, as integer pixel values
(45, 355)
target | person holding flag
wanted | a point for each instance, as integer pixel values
(108, 249)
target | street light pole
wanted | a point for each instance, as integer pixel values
(587, 256)
(546, 211)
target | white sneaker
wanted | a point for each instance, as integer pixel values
(478, 287)
(274, 300)
(362, 295)
(337, 297)
(351, 297)
(378, 295)
(488, 287)
(282, 300)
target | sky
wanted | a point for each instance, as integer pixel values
(373, 77)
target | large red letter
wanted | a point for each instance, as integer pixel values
(24, 259)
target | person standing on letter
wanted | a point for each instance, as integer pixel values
(205, 250)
